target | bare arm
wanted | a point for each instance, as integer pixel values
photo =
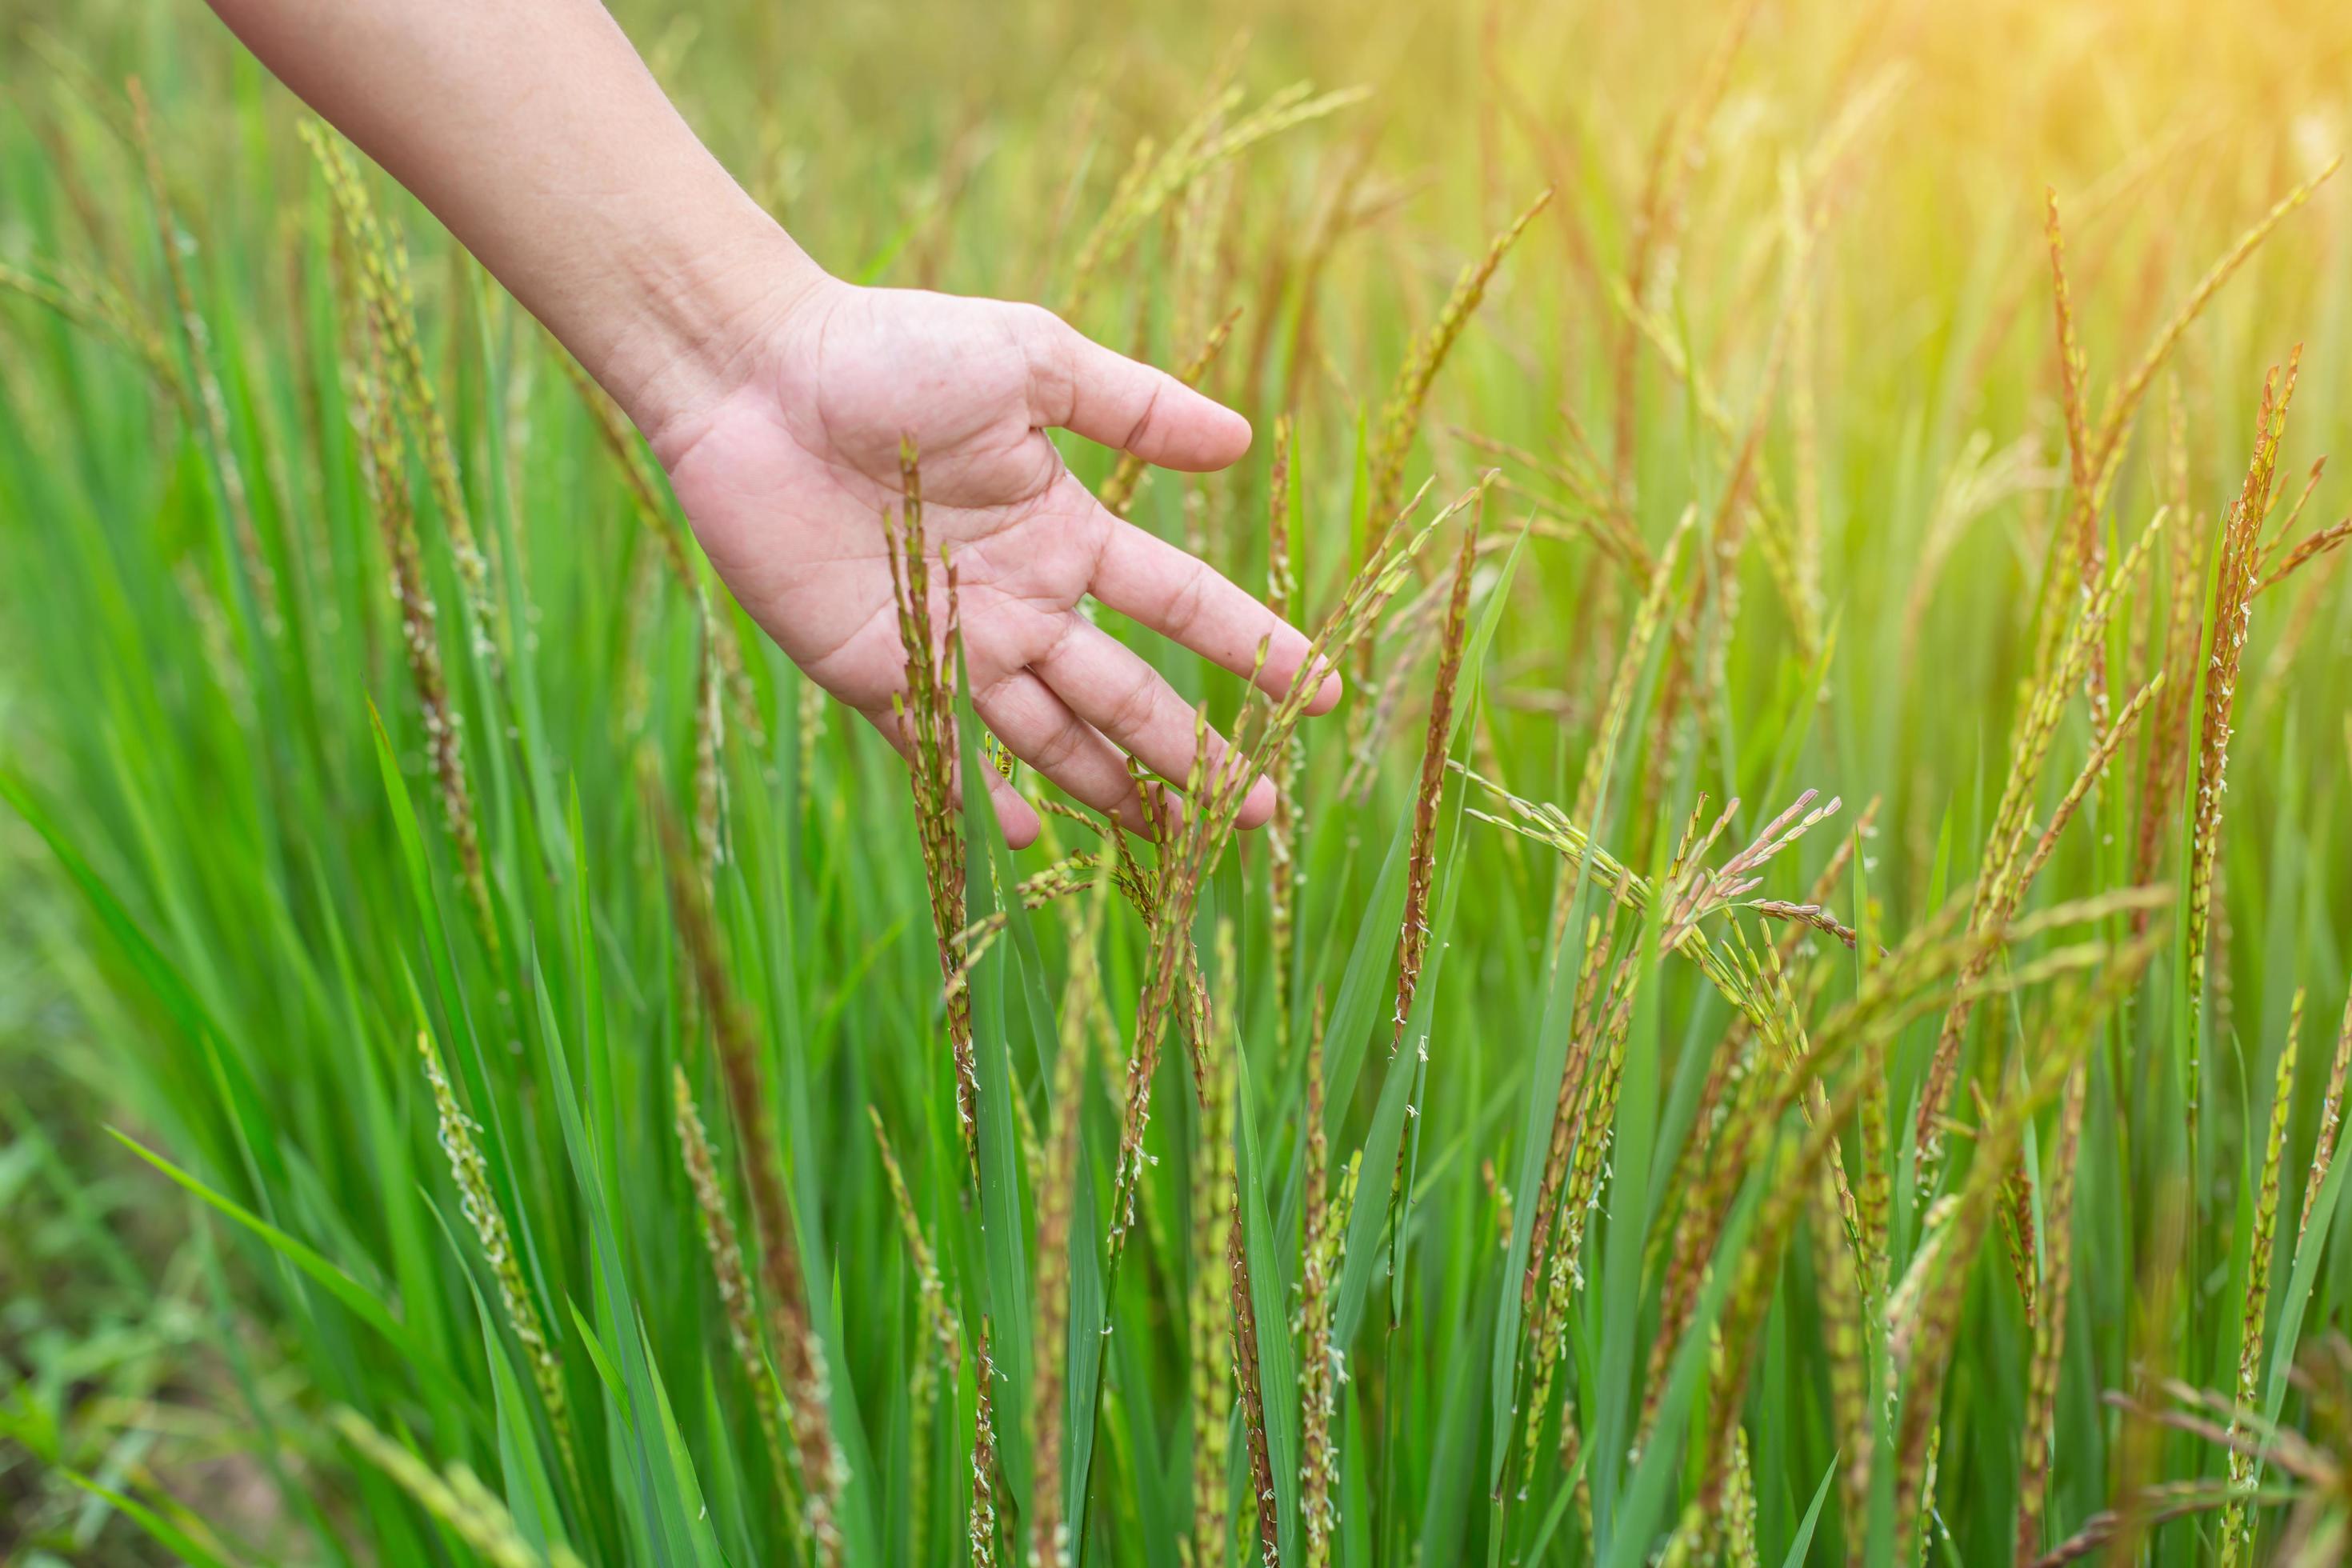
(533, 131)
(776, 395)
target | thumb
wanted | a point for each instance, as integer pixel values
(1084, 389)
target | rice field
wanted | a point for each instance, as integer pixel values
(1798, 1011)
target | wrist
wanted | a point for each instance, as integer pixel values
(695, 305)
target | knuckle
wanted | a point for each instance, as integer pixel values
(1131, 708)
(1140, 430)
(1058, 748)
(1190, 599)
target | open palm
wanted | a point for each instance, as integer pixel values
(786, 477)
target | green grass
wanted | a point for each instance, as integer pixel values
(1777, 510)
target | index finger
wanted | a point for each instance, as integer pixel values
(1186, 600)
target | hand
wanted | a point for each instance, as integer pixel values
(788, 471)
(777, 397)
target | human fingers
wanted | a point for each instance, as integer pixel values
(1094, 392)
(1039, 728)
(1014, 816)
(1111, 687)
(1187, 601)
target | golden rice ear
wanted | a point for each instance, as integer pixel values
(2237, 579)
(1212, 1302)
(2331, 1122)
(389, 297)
(2011, 861)
(927, 713)
(455, 1496)
(1400, 417)
(2237, 1532)
(1421, 864)
(1156, 176)
(373, 386)
(1283, 762)
(477, 1200)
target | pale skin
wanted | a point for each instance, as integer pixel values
(777, 396)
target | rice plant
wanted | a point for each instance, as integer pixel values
(1792, 1018)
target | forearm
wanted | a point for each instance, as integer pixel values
(532, 129)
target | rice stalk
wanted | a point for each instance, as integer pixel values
(710, 754)
(2232, 613)
(1552, 1266)
(2237, 1530)
(2164, 759)
(1420, 865)
(2009, 865)
(930, 1373)
(2050, 1323)
(790, 1329)
(2095, 767)
(1694, 898)
(1320, 1370)
(1209, 1316)
(2107, 451)
(2083, 526)
(925, 720)
(2331, 1122)
(620, 444)
(1400, 415)
(1659, 213)
(99, 307)
(383, 464)
(737, 1299)
(1282, 831)
(2319, 542)
(456, 1496)
(1730, 1058)
(1323, 1367)
(1924, 1315)
(196, 344)
(1158, 176)
(1213, 796)
(1611, 1022)
(1897, 992)
(1577, 478)
(479, 1202)
(1741, 1549)
(383, 277)
(2277, 541)
(1243, 1319)
(1929, 1516)
(1757, 1268)
(980, 1520)
(2316, 546)
(2109, 1527)
(1049, 1542)
(1843, 1309)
